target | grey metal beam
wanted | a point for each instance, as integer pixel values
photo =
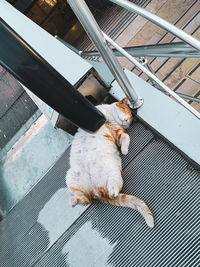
(68, 45)
(191, 98)
(178, 49)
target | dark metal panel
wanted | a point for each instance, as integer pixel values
(16, 107)
(44, 81)
(2, 71)
(15, 117)
(10, 91)
(22, 5)
(117, 19)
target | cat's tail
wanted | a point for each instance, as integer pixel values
(124, 200)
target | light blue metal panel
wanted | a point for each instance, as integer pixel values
(51, 114)
(19, 133)
(103, 71)
(166, 116)
(58, 207)
(28, 160)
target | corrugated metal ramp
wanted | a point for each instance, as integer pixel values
(42, 230)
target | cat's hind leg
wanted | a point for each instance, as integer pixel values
(109, 176)
(78, 183)
(73, 201)
(79, 197)
(114, 187)
(109, 190)
(114, 182)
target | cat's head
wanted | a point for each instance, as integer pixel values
(122, 113)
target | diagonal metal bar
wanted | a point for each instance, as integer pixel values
(94, 32)
(152, 76)
(179, 49)
(159, 21)
(188, 97)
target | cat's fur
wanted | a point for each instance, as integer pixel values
(95, 163)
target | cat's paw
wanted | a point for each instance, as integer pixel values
(125, 141)
(124, 150)
(73, 201)
(113, 190)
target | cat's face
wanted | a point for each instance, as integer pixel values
(123, 115)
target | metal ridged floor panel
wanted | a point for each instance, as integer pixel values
(170, 186)
(102, 235)
(16, 228)
(140, 136)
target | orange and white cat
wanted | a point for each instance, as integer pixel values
(95, 163)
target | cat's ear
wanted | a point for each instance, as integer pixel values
(124, 101)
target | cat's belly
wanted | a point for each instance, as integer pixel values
(94, 164)
(94, 160)
(94, 151)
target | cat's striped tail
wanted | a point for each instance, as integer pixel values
(124, 200)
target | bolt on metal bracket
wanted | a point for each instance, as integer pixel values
(138, 103)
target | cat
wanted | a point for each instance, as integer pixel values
(95, 163)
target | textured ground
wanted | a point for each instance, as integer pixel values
(43, 230)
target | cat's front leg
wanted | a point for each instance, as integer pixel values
(124, 143)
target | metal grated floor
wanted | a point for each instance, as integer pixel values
(37, 231)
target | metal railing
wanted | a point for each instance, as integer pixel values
(91, 27)
(153, 77)
(103, 42)
(143, 60)
(178, 49)
(159, 21)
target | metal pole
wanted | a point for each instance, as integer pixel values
(158, 21)
(178, 49)
(145, 70)
(91, 27)
(144, 62)
(188, 97)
